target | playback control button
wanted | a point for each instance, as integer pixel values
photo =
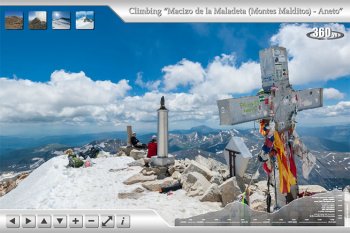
(12, 221)
(91, 221)
(60, 221)
(75, 221)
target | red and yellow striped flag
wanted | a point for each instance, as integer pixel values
(286, 176)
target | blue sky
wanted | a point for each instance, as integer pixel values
(88, 14)
(116, 51)
(14, 13)
(60, 14)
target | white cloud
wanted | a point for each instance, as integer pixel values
(150, 85)
(38, 14)
(332, 93)
(222, 76)
(183, 73)
(341, 109)
(314, 60)
(66, 97)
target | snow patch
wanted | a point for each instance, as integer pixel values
(54, 186)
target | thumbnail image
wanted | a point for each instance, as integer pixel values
(60, 20)
(37, 20)
(85, 20)
(14, 20)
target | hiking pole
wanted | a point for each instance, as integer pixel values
(274, 175)
(268, 197)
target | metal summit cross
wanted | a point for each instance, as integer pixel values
(278, 101)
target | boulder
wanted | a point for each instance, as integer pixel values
(120, 153)
(171, 169)
(138, 190)
(132, 195)
(147, 171)
(157, 185)
(139, 178)
(196, 167)
(229, 191)
(126, 150)
(212, 194)
(137, 154)
(257, 201)
(139, 162)
(179, 166)
(176, 175)
(194, 183)
(217, 179)
(146, 160)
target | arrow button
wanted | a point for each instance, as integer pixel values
(60, 221)
(12, 221)
(28, 221)
(44, 221)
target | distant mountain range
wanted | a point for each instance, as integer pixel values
(329, 144)
(13, 22)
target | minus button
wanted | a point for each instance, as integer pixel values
(91, 221)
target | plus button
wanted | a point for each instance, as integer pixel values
(75, 220)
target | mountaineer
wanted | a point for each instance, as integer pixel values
(152, 147)
(136, 143)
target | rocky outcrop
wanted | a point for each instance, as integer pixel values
(9, 184)
(37, 24)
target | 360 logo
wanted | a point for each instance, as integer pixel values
(324, 33)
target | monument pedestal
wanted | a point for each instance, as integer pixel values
(162, 161)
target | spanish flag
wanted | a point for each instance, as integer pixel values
(286, 176)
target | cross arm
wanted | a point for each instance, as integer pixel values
(239, 110)
(309, 98)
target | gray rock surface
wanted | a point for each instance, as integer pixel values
(137, 154)
(194, 183)
(196, 167)
(139, 178)
(212, 194)
(157, 185)
(229, 191)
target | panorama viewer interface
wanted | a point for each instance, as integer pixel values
(174, 116)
